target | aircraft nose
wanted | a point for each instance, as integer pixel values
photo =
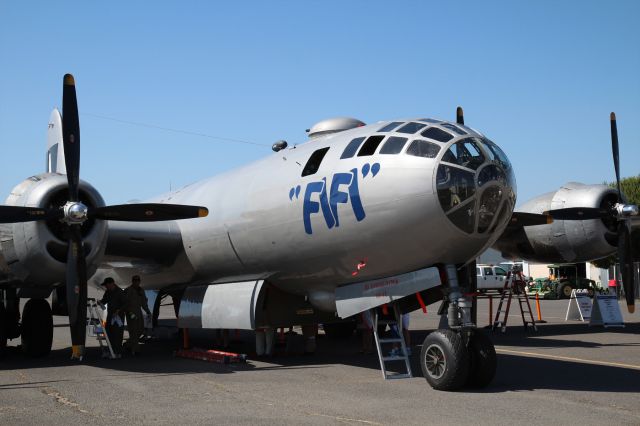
(476, 186)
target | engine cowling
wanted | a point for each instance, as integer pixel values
(36, 252)
(564, 240)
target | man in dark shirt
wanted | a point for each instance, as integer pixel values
(116, 303)
(136, 303)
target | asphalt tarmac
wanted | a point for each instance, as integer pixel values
(565, 373)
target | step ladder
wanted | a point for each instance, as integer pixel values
(95, 328)
(389, 342)
(514, 286)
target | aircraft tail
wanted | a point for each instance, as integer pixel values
(55, 148)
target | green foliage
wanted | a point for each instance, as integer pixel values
(631, 189)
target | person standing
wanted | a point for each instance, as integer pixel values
(114, 299)
(136, 303)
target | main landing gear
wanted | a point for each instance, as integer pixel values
(36, 327)
(461, 355)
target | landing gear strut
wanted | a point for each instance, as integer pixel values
(460, 355)
(9, 316)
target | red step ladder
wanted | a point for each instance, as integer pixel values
(514, 286)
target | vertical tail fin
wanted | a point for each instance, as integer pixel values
(55, 148)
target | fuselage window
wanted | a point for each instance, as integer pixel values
(454, 128)
(393, 145)
(437, 134)
(411, 128)
(420, 148)
(389, 127)
(370, 145)
(313, 164)
(352, 148)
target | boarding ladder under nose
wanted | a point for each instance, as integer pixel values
(395, 324)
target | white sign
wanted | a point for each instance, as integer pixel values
(606, 311)
(579, 306)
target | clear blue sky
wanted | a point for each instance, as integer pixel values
(539, 78)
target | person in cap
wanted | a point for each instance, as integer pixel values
(136, 303)
(116, 303)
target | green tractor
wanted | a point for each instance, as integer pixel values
(562, 280)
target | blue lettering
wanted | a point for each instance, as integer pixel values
(310, 207)
(337, 196)
(354, 194)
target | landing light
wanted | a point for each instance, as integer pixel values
(359, 267)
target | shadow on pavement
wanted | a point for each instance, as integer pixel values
(515, 373)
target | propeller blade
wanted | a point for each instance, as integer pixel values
(72, 278)
(71, 135)
(529, 219)
(77, 291)
(616, 155)
(16, 214)
(626, 265)
(148, 212)
(459, 115)
(578, 213)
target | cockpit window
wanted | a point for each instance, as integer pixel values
(411, 128)
(389, 127)
(393, 145)
(491, 173)
(465, 217)
(351, 149)
(455, 128)
(464, 153)
(437, 134)
(496, 154)
(313, 164)
(430, 120)
(488, 207)
(420, 148)
(454, 186)
(370, 145)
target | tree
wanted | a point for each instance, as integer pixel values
(630, 187)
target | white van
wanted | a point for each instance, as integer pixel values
(490, 277)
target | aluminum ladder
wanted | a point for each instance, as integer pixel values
(514, 285)
(395, 325)
(95, 328)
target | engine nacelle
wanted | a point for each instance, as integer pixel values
(36, 252)
(564, 240)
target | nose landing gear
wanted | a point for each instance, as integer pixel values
(460, 355)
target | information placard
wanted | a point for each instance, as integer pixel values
(579, 308)
(606, 311)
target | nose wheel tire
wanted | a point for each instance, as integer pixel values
(483, 362)
(444, 360)
(37, 328)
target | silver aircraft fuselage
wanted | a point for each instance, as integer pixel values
(352, 219)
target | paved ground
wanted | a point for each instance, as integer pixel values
(566, 373)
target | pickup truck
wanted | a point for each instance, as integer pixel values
(490, 277)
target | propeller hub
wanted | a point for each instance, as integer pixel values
(75, 212)
(627, 210)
